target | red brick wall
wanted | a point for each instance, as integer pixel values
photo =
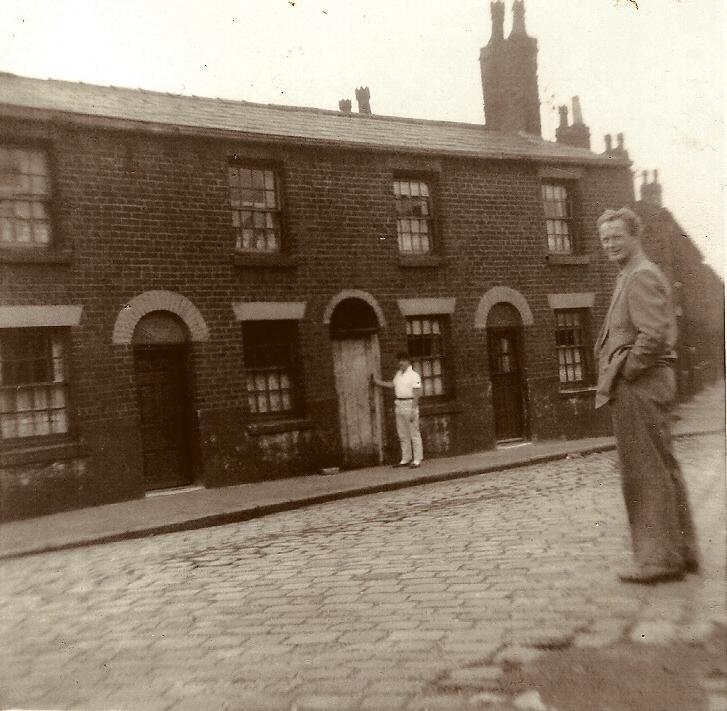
(151, 212)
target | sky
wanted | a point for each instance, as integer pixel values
(652, 69)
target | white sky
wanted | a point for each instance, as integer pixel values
(654, 73)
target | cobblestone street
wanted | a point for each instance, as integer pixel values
(415, 599)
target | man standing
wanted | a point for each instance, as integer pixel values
(635, 354)
(407, 385)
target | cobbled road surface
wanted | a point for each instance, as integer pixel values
(412, 600)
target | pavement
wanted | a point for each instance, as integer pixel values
(200, 508)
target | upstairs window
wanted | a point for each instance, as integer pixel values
(558, 205)
(270, 349)
(414, 216)
(24, 197)
(425, 337)
(33, 382)
(255, 202)
(572, 345)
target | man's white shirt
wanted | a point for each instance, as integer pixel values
(406, 382)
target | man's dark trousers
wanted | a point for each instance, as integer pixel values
(662, 531)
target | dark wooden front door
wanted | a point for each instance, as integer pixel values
(507, 388)
(161, 383)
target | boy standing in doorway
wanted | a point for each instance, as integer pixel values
(407, 386)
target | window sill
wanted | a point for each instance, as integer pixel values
(27, 453)
(278, 426)
(273, 259)
(440, 408)
(568, 259)
(420, 260)
(583, 391)
(11, 255)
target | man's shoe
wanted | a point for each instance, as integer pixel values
(692, 566)
(650, 576)
(415, 465)
(401, 464)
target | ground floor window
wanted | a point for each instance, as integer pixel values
(33, 382)
(426, 336)
(270, 349)
(572, 345)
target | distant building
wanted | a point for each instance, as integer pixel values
(698, 291)
(195, 291)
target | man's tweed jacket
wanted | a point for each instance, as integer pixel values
(639, 330)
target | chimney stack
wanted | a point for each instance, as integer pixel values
(363, 97)
(619, 151)
(651, 192)
(509, 69)
(344, 106)
(578, 134)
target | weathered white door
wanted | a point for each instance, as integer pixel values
(359, 402)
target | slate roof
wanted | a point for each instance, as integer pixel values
(191, 114)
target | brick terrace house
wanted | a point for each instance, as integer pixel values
(196, 290)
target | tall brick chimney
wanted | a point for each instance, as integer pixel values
(492, 60)
(577, 134)
(509, 70)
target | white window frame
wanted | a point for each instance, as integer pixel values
(25, 197)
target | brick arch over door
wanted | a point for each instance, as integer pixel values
(158, 300)
(497, 295)
(353, 294)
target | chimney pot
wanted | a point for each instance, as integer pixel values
(497, 12)
(344, 106)
(609, 142)
(563, 111)
(518, 18)
(651, 193)
(363, 96)
(577, 114)
(620, 140)
(577, 134)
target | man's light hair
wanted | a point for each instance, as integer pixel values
(631, 220)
